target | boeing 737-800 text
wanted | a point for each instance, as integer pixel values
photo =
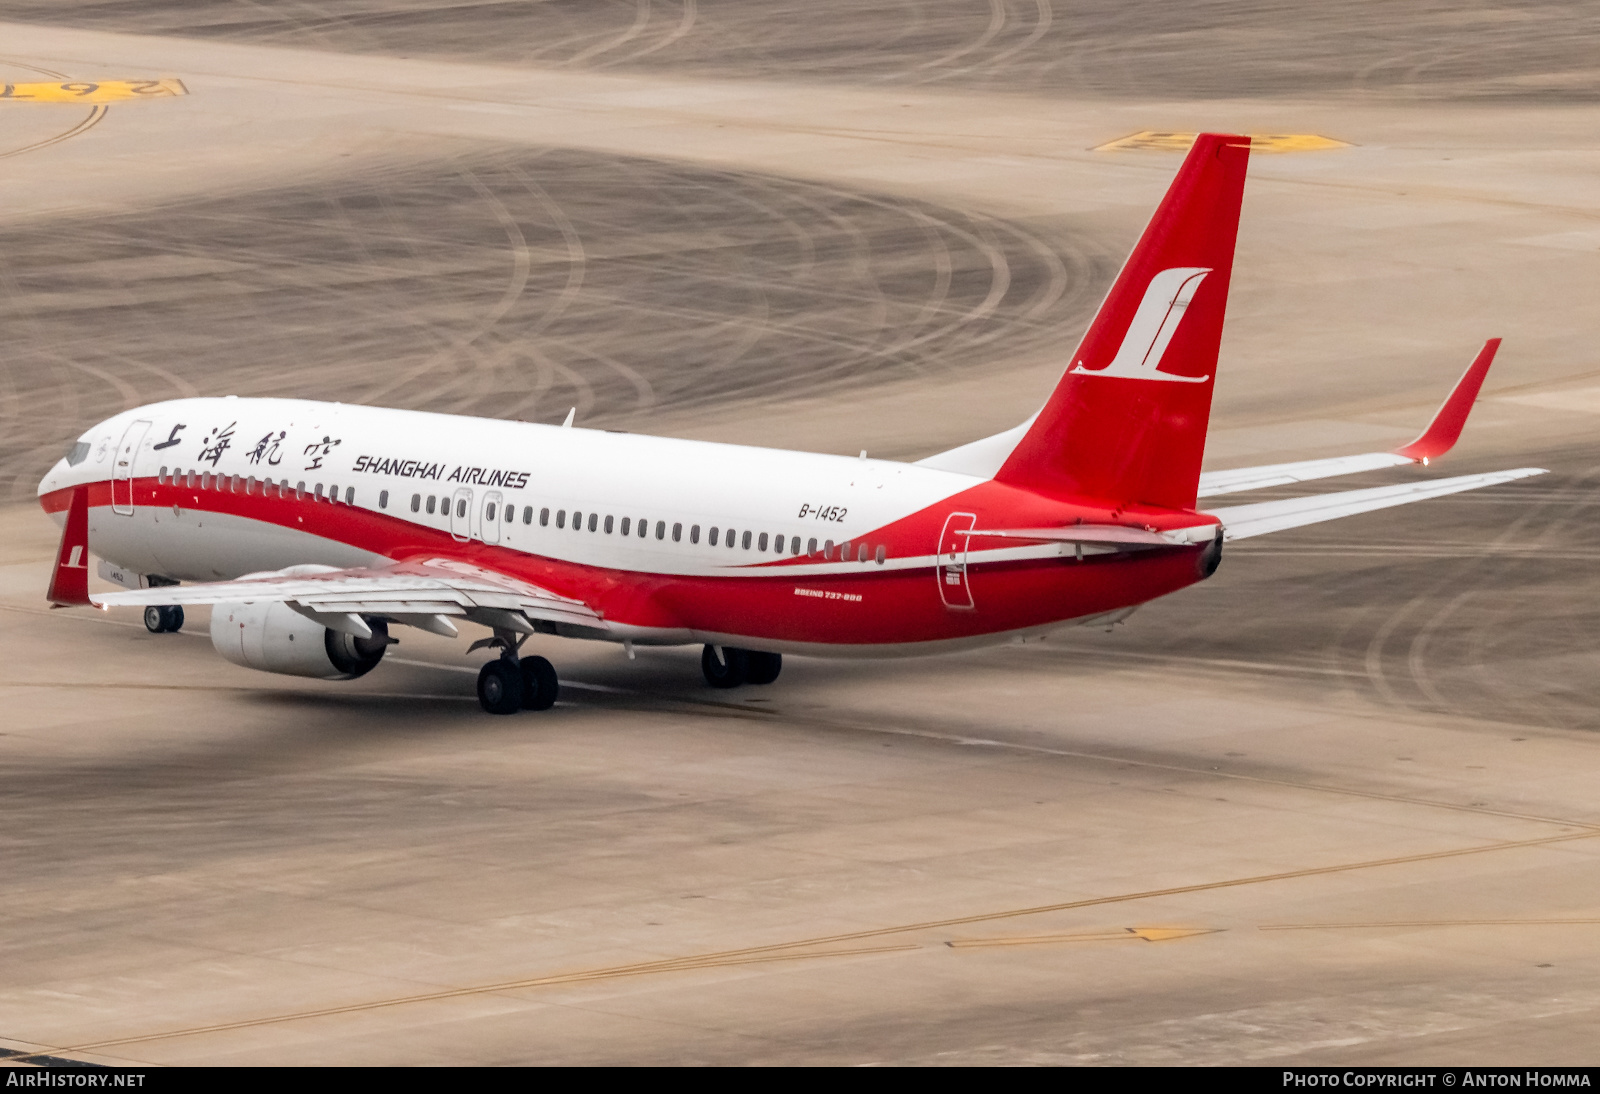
(316, 528)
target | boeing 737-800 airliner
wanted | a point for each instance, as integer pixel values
(316, 528)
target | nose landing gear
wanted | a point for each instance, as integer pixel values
(728, 667)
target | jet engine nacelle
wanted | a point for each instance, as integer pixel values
(273, 637)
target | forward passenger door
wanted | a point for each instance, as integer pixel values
(122, 467)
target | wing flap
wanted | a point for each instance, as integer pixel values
(434, 588)
(1260, 518)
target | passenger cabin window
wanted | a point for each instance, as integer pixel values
(544, 518)
(694, 534)
(561, 518)
(661, 529)
(761, 544)
(608, 524)
(746, 540)
(432, 502)
(677, 533)
(527, 514)
(592, 520)
(625, 523)
(383, 499)
(350, 495)
(644, 527)
(711, 536)
(883, 553)
(416, 502)
(811, 547)
(300, 489)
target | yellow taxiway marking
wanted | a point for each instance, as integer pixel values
(1259, 142)
(1126, 934)
(89, 91)
(1432, 923)
(845, 944)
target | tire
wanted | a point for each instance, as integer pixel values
(540, 687)
(165, 619)
(762, 668)
(500, 687)
(726, 671)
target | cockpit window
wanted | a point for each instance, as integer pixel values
(79, 453)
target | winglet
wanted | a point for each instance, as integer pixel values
(1442, 432)
(69, 582)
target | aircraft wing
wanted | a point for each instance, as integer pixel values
(1436, 440)
(1244, 521)
(426, 594)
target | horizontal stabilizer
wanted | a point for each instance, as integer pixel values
(1244, 521)
(1241, 479)
(1111, 535)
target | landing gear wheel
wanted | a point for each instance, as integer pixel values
(539, 684)
(163, 620)
(500, 687)
(724, 666)
(762, 668)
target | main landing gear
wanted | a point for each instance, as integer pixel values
(167, 619)
(727, 667)
(512, 683)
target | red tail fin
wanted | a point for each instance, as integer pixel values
(1127, 422)
(69, 582)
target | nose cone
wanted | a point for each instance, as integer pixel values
(54, 478)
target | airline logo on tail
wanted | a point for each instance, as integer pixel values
(1154, 324)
